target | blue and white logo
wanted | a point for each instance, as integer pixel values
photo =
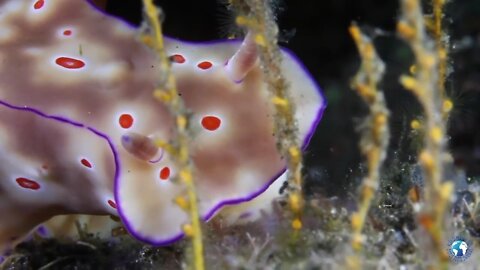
(459, 249)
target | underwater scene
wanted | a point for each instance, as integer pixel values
(239, 134)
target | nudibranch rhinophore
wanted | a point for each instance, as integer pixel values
(78, 120)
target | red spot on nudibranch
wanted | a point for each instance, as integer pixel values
(164, 173)
(125, 120)
(67, 32)
(112, 204)
(86, 163)
(70, 63)
(27, 183)
(177, 58)
(205, 65)
(39, 4)
(211, 122)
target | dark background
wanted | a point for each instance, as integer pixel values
(317, 32)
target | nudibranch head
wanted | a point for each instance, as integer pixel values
(233, 148)
(79, 121)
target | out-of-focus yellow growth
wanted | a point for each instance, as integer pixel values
(414, 194)
(260, 40)
(405, 30)
(409, 82)
(181, 121)
(295, 202)
(447, 106)
(147, 40)
(380, 119)
(165, 146)
(295, 154)
(258, 18)
(357, 244)
(428, 86)
(353, 262)
(356, 220)
(413, 69)
(365, 92)
(188, 230)
(164, 96)
(178, 148)
(415, 124)
(296, 224)
(182, 202)
(446, 190)
(241, 20)
(375, 136)
(427, 61)
(245, 21)
(426, 159)
(280, 101)
(442, 53)
(436, 134)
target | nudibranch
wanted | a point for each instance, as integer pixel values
(78, 120)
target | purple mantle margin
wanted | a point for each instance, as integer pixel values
(117, 162)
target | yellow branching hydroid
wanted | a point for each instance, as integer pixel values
(427, 85)
(178, 147)
(375, 133)
(257, 17)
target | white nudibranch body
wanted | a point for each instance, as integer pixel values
(78, 118)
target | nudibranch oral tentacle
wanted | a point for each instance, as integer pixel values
(83, 119)
(243, 60)
(140, 146)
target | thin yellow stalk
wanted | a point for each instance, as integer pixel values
(179, 146)
(375, 136)
(257, 17)
(425, 86)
